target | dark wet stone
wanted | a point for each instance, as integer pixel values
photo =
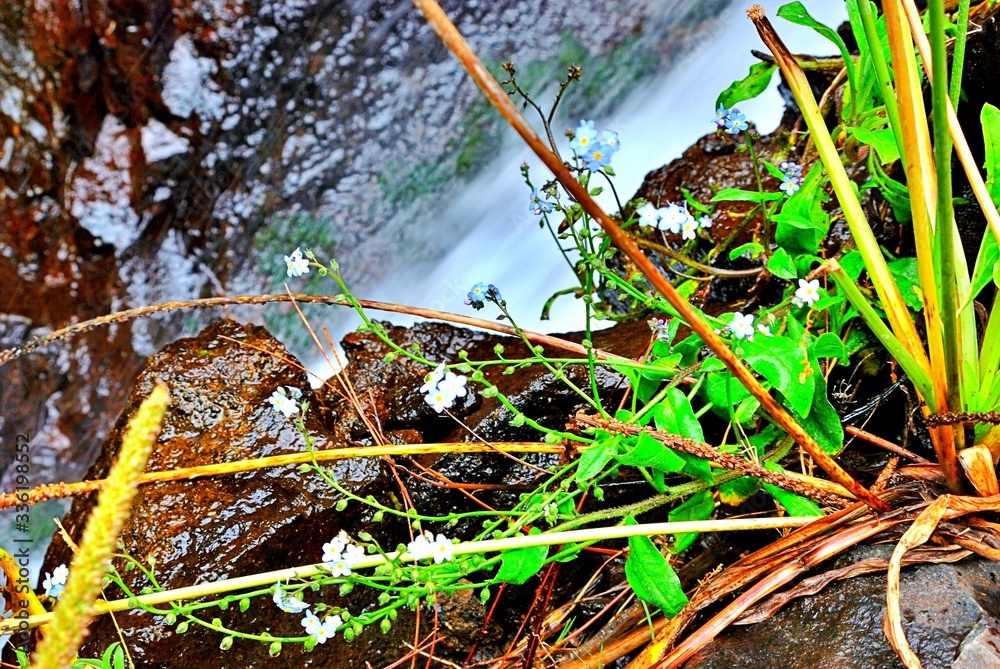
(949, 614)
(223, 527)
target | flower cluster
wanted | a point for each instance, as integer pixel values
(442, 387)
(807, 293)
(55, 582)
(296, 264)
(481, 292)
(537, 205)
(285, 403)
(791, 179)
(426, 545)
(673, 218)
(340, 555)
(733, 120)
(595, 150)
(742, 327)
(321, 630)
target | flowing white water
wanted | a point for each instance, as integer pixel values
(656, 124)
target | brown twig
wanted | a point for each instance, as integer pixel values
(725, 460)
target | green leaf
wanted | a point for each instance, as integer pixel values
(675, 415)
(986, 264)
(753, 248)
(783, 363)
(823, 423)
(828, 345)
(649, 452)
(520, 564)
(781, 265)
(802, 223)
(593, 460)
(794, 505)
(883, 141)
(740, 195)
(739, 490)
(652, 578)
(797, 13)
(749, 86)
(990, 117)
(904, 270)
(699, 506)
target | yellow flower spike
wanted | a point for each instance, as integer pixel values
(73, 612)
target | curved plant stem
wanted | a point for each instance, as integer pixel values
(337, 300)
(450, 35)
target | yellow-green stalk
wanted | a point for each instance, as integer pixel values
(899, 318)
(72, 614)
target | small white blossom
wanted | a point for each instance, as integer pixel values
(807, 293)
(742, 326)
(649, 216)
(338, 567)
(286, 602)
(327, 629)
(689, 229)
(441, 549)
(673, 217)
(705, 221)
(296, 264)
(294, 392)
(353, 554)
(55, 582)
(311, 623)
(439, 400)
(453, 384)
(420, 547)
(431, 379)
(764, 329)
(282, 403)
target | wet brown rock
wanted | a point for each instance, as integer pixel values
(949, 615)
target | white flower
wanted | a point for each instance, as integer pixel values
(439, 400)
(742, 326)
(672, 217)
(332, 552)
(764, 329)
(295, 393)
(441, 549)
(452, 384)
(420, 547)
(705, 221)
(311, 623)
(55, 582)
(339, 567)
(296, 264)
(353, 554)
(327, 629)
(689, 229)
(287, 602)
(431, 379)
(648, 215)
(283, 403)
(808, 292)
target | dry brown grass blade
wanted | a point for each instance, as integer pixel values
(738, 575)
(772, 580)
(918, 533)
(495, 93)
(813, 585)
